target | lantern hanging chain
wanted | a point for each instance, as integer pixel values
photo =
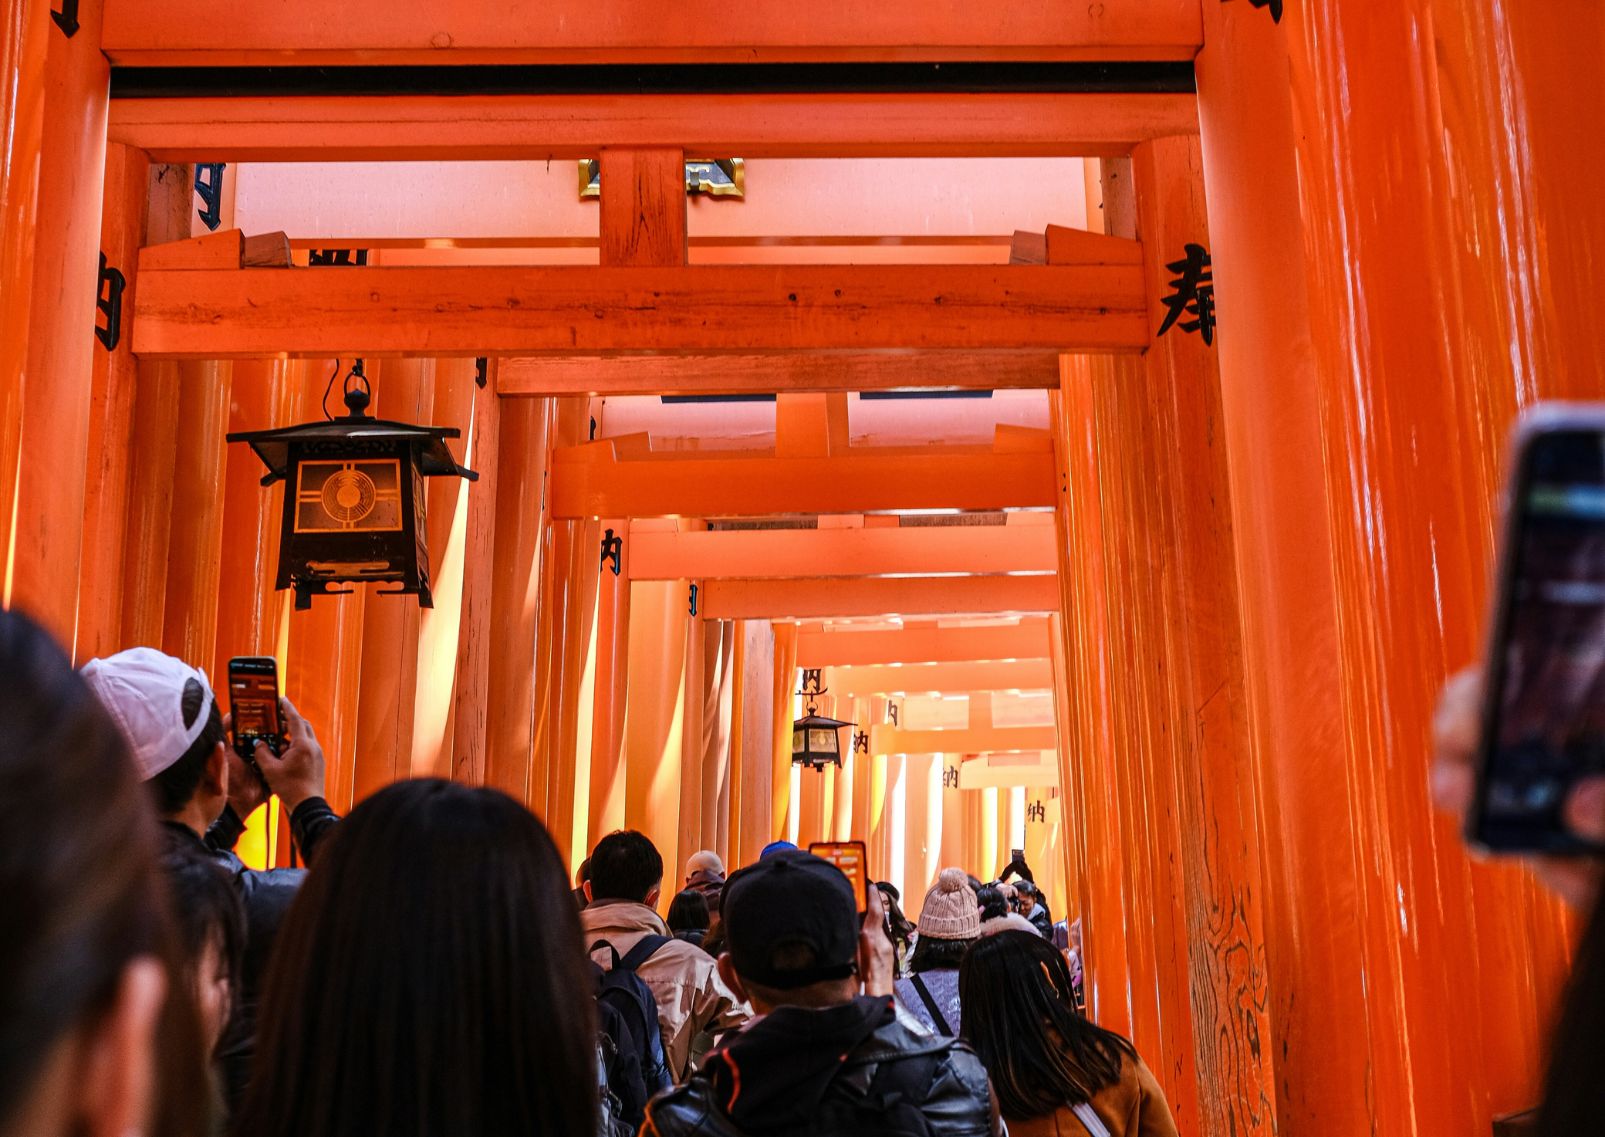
(356, 372)
(329, 387)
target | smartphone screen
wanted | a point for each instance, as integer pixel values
(1544, 720)
(253, 686)
(853, 860)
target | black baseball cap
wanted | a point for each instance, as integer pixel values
(788, 908)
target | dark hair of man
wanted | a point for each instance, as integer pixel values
(815, 996)
(990, 899)
(688, 912)
(429, 980)
(1019, 1015)
(83, 897)
(1574, 1093)
(932, 953)
(206, 908)
(174, 786)
(625, 865)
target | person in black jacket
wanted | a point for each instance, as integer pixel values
(827, 1053)
(202, 790)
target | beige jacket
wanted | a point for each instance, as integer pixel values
(691, 996)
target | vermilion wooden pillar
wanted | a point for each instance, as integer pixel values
(111, 438)
(24, 43)
(471, 713)
(515, 683)
(387, 703)
(58, 383)
(753, 740)
(1400, 215)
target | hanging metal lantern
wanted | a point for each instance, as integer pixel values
(815, 739)
(354, 497)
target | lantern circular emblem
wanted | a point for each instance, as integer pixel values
(349, 496)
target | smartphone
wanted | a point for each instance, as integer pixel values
(1544, 715)
(1018, 855)
(253, 692)
(853, 860)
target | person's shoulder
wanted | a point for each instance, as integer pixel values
(684, 1110)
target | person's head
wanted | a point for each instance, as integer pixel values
(990, 901)
(584, 874)
(705, 861)
(949, 921)
(1025, 897)
(898, 929)
(688, 912)
(81, 982)
(168, 715)
(1019, 1015)
(433, 959)
(625, 865)
(210, 925)
(791, 933)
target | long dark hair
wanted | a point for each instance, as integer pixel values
(688, 912)
(429, 981)
(1019, 1014)
(78, 870)
(933, 953)
(1574, 1093)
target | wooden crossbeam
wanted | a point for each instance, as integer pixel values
(178, 33)
(942, 678)
(553, 127)
(735, 374)
(221, 313)
(824, 598)
(886, 739)
(922, 643)
(593, 481)
(780, 553)
(1007, 770)
(207, 313)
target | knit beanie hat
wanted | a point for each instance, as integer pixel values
(950, 911)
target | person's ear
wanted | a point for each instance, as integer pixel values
(214, 777)
(115, 1086)
(587, 887)
(727, 972)
(655, 895)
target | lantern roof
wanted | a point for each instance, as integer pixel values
(822, 722)
(434, 458)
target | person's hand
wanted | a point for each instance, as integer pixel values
(297, 773)
(246, 790)
(877, 960)
(1455, 732)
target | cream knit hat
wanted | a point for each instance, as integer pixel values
(951, 911)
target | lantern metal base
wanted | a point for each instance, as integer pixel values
(305, 590)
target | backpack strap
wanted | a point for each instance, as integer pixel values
(937, 1017)
(1094, 1124)
(641, 952)
(613, 951)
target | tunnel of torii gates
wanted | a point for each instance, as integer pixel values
(1169, 608)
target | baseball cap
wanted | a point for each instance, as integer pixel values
(791, 904)
(774, 847)
(143, 691)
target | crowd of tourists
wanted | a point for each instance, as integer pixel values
(433, 970)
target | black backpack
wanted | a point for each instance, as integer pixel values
(621, 1094)
(891, 1104)
(624, 994)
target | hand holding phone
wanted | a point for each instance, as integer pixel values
(253, 688)
(1542, 736)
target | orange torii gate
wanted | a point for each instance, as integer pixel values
(1240, 730)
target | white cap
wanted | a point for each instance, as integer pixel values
(705, 861)
(143, 690)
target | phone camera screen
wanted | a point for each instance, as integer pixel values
(255, 704)
(1549, 727)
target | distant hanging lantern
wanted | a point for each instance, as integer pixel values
(354, 496)
(815, 739)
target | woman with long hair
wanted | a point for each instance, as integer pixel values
(430, 980)
(95, 1035)
(1054, 1073)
